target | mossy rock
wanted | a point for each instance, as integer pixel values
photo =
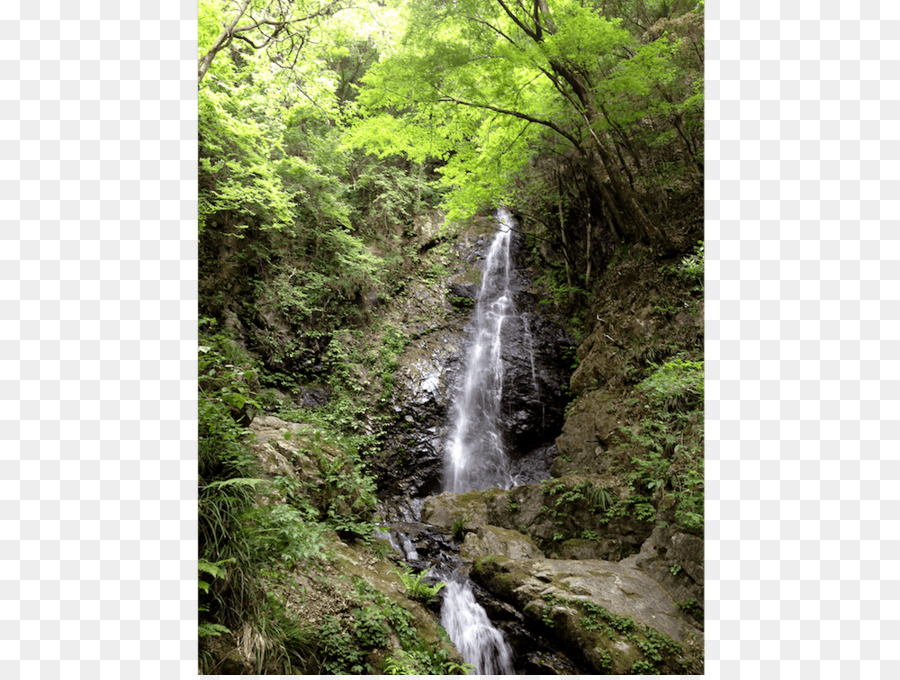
(608, 615)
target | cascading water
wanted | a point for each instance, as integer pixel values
(476, 638)
(476, 454)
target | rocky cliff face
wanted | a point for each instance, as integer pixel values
(584, 554)
(432, 364)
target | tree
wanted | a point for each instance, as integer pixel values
(479, 83)
(281, 27)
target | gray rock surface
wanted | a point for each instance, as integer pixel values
(555, 593)
(491, 540)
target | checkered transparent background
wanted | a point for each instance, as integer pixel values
(98, 339)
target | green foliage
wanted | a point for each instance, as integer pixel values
(345, 497)
(605, 660)
(214, 570)
(416, 588)
(347, 641)
(658, 650)
(287, 533)
(461, 302)
(482, 89)
(552, 601)
(690, 268)
(568, 499)
(399, 664)
(282, 643)
(557, 292)
(227, 377)
(677, 384)
(642, 667)
(692, 608)
(596, 617)
(655, 645)
(206, 629)
(667, 468)
(458, 529)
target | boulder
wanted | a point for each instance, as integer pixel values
(590, 429)
(279, 447)
(608, 615)
(674, 560)
(491, 540)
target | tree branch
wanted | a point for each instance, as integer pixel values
(517, 114)
(223, 41)
(530, 33)
(277, 19)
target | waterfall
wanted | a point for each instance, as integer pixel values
(476, 453)
(471, 630)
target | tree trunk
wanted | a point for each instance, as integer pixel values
(223, 41)
(587, 248)
(562, 231)
(694, 164)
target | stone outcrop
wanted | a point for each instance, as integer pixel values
(616, 592)
(531, 509)
(431, 365)
(607, 615)
(490, 540)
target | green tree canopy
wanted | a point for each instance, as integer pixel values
(483, 84)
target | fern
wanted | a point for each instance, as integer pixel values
(235, 481)
(416, 588)
(212, 629)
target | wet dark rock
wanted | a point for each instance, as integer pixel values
(312, 397)
(430, 372)
(464, 290)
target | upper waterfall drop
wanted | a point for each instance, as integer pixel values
(476, 456)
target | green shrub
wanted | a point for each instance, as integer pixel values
(692, 608)
(461, 302)
(642, 667)
(677, 384)
(346, 642)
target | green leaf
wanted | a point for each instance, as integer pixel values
(236, 481)
(211, 629)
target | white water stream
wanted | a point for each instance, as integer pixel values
(476, 456)
(476, 638)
